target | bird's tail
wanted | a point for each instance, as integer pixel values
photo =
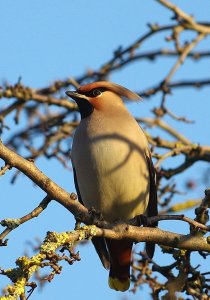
(120, 259)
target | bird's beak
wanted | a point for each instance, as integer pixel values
(83, 103)
(76, 96)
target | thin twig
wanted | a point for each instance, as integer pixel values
(163, 125)
(33, 214)
(182, 57)
(198, 83)
(176, 151)
(189, 21)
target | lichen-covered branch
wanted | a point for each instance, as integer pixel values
(27, 266)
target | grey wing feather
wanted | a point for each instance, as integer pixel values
(98, 242)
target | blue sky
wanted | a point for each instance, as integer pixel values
(43, 41)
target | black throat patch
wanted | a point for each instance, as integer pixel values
(85, 108)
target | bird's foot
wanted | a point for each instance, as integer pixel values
(142, 220)
(96, 215)
(77, 225)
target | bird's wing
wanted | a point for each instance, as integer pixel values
(152, 205)
(98, 242)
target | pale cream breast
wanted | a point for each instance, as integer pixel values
(109, 158)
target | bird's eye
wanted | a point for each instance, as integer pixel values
(96, 92)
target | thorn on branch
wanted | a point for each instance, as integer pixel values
(4, 169)
(153, 27)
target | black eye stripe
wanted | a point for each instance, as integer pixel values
(94, 92)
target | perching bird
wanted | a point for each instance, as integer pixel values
(113, 170)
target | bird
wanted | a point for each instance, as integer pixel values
(113, 169)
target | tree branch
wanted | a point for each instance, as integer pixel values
(189, 21)
(79, 211)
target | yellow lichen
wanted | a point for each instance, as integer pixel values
(9, 297)
(86, 232)
(27, 266)
(16, 290)
(11, 223)
(54, 240)
(184, 205)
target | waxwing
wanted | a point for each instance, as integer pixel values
(113, 170)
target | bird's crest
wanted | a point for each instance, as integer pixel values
(116, 88)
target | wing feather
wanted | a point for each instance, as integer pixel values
(98, 242)
(152, 205)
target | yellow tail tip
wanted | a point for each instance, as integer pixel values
(119, 285)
